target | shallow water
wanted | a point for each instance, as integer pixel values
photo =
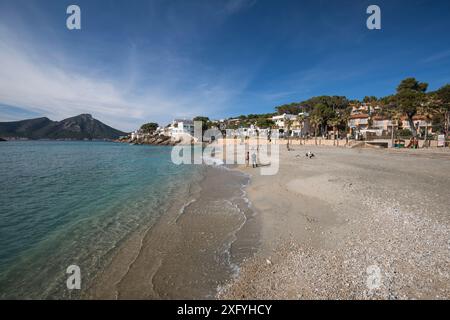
(64, 203)
(193, 251)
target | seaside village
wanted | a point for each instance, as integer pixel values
(366, 125)
(411, 118)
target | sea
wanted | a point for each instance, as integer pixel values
(67, 203)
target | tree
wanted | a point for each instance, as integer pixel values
(264, 123)
(444, 95)
(149, 127)
(291, 108)
(323, 113)
(438, 122)
(443, 105)
(334, 122)
(395, 115)
(405, 133)
(315, 121)
(206, 124)
(370, 99)
(412, 84)
(288, 124)
(301, 121)
(333, 102)
(410, 97)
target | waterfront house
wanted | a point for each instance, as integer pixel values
(137, 134)
(358, 124)
(301, 128)
(280, 121)
(180, 127)
(382, 123)
(422, 124)
(297, 128)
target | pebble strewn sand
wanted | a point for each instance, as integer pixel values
(351, 224)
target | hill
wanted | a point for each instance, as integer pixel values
(81, 127)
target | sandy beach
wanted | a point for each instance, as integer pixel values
(347, 224)
(350, 224)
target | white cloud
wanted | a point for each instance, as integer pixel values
(32, 80)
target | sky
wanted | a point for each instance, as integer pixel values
(142, 61)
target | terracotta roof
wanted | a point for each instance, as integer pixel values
(379, 118)
(359, 116)
(415, 118)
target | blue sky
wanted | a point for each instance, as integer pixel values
(138, 61)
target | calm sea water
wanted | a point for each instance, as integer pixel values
(64, 203)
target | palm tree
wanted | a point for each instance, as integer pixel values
(334, 122)
(288, 123)
(301, 121)
(316, 121)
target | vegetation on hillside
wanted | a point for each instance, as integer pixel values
(149, 127)
(410, 99)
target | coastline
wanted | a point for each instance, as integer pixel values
(333, 224)
(195, 247)
(319, 229)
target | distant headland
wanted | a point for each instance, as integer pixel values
(81, 127)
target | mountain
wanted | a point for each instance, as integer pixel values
(80, 127)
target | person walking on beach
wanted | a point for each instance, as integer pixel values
(254, 163)
(247, 158)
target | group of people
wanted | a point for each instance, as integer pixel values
(413, 143)
(309, 155)
(254, 159)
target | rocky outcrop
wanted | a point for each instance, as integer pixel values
(149, 139)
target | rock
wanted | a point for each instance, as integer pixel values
(160, 140)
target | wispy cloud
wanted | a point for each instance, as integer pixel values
(40, 83)
(438, 56)
(234, 6)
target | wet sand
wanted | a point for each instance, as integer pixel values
(194, 248)
(350, 224)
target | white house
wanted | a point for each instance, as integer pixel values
(359, 122)
(301, 128)
(136, 134)
(280, 120)
(181, 127)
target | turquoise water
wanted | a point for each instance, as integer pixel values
(64, 203)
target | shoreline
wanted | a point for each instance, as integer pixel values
(313, 231)
(193, 249)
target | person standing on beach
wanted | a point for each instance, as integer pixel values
(247, 158)
(254, 163)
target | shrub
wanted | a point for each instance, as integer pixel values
(404, 133)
